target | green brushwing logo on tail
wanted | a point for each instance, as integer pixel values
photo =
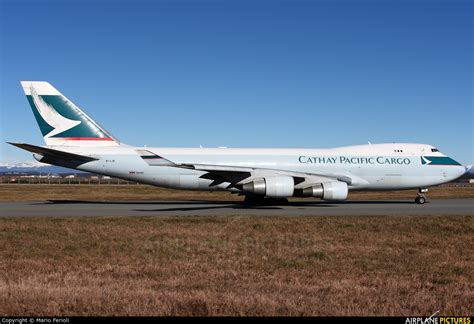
(50, 116)
(43, 125)
(58, 117)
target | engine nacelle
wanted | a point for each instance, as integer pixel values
(272, 187)
(327, 191)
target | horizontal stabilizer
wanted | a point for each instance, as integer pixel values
(54, 155)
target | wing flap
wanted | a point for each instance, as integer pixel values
(237, 175)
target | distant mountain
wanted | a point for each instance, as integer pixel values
(33, 167)
(469, 173)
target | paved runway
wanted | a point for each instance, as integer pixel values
(208, 208)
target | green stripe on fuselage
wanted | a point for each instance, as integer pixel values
(438, 160)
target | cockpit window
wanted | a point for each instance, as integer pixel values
(434, 150)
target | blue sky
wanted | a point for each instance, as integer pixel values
(246, 73)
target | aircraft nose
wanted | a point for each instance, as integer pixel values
(456, 169)
(459, 172)
(465, 170)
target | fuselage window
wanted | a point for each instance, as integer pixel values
(434, 150)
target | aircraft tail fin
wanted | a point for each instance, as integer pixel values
(61, 122)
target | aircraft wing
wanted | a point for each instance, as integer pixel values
(237, 175)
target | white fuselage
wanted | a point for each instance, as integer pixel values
(367, 167)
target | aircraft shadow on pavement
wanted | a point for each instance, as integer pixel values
(243, 206)
(224, 202)
(194, 205)
(135, 202)
(233, 206)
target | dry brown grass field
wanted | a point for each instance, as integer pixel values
(357, 265)
(237, 266)
(35, 192)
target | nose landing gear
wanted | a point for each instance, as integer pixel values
(420, 197)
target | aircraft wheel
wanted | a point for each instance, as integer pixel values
(280, 201)
(420, 200)
(254, 200)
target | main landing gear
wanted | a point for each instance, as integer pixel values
(255, 200)
(420, 197)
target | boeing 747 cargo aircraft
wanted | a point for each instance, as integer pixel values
(74, 140)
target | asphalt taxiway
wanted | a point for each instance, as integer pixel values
(74, 208)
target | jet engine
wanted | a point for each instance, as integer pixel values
(272, 187)
(328, 191)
